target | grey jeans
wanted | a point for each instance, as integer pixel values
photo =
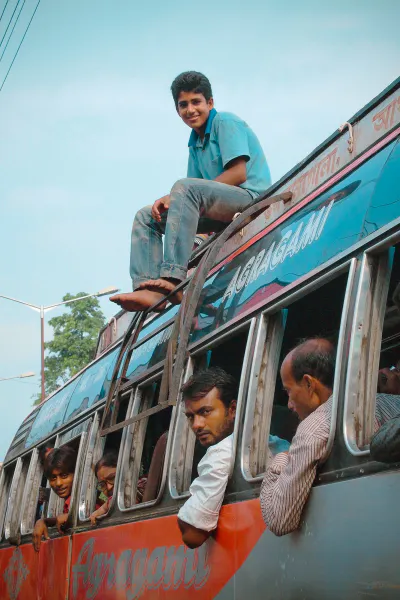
(196, 206)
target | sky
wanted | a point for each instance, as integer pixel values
(89, 132)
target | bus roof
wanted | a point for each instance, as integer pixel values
(275, 250)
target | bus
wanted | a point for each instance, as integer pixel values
(318, 254)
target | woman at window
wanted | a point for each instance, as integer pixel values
(105, 471)
(59, 468)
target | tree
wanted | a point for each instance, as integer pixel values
(74, 342)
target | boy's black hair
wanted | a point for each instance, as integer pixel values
(109, 459)
(63, 458)
(203, 381)
(191, 81)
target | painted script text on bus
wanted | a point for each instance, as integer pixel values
(134, 572)
(290, 244)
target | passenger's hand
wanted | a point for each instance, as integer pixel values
(95, 515)
(40, 530)
(160, 206)
(61, 522)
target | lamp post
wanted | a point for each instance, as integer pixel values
(22, 376)
(43, 309)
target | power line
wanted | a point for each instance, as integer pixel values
(18, 49)
(5, 6)
(12, 30)
(9, 22)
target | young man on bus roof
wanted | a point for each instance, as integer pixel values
(227, 169)
(210, 407)
(59, 468)
(307, 375)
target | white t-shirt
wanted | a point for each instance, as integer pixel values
(208, 489)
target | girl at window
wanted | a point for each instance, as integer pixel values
(105, 471)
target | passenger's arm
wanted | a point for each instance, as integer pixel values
(288, 481)
(192, 536)
(198, 517)
(385, 444)
(39, 531)
(235, 172)
(62, 522)
(103, 510)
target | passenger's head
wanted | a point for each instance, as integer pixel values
(193, 98)
(105, 471)
(59, 468)
(209, 398)
(307, 375)
(389, 380)
(44, 452)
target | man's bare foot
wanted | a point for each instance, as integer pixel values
(162, 286)
(139, 300)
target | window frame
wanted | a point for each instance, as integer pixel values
(4, 497)
(29, 498)
(263, 357)
(14, 511)
(56, 504)
(369, 314)
(184, 440)
(94, 451)
(133, 437)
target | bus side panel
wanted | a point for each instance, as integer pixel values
(147, 559)
(26, 574)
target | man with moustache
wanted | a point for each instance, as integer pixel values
(209, 399)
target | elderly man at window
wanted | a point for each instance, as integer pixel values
(307, 375)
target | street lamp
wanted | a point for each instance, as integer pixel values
(22, 376)
(42, 309)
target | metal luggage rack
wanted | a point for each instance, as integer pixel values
(205, 256)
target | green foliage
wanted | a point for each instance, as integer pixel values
(74, 341)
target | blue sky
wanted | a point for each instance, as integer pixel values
(89, 133)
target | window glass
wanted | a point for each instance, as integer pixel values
(93, 385)
(229, 354)
(373, 383)
(269, 424)
(95, 490)
(51, 414)
(145, 450)
(13, 514)
(149, 354)
(6, 477)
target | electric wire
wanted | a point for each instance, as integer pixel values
(20, 44)
(5, 6)
(12, 30)
(9, 22)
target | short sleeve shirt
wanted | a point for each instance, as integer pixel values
(228, 137)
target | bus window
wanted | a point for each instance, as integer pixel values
(76, 438)
(374, 361)
(145, 450)
(230, 353)
(6, 477)
(91, 496)
(269, 425)
(37, 490)
(13, 514)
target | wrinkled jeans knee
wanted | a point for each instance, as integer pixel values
(143, 215)
(183, 185)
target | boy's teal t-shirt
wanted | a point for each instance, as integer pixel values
(228, 137)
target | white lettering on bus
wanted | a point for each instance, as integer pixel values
(289, 245)
(135, 572)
